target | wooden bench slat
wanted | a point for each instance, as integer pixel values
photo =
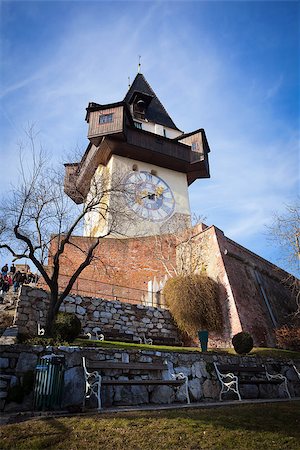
(239, 369)
(94, 365)
(143, 382)
(258, 381)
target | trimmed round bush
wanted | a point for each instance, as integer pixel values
(66, 327)
(242, 343)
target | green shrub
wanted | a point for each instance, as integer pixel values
(193, 301)
(66, 327)
(288, 337)
(242, 343)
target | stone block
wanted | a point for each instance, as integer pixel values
(146, 359)
(26, 361)
(131, 395)
(70, 308)
(107, 315)
(23, 317)
(74, 387)
(199, 370)
(125, 358)
(78, 300)
(96, 301)
(117, 306)
(195, 389)
(185, 370)
(80, 310)
(4, 363)
(14, 381)
(37, 293)
(146, 320)
(162, 394)
(3, 384)
(211, 389)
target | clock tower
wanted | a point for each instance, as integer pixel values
(143, 164)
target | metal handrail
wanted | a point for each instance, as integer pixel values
(113, 291)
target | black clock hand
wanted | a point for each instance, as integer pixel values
(150, 196)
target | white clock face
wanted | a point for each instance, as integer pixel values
(149, 196)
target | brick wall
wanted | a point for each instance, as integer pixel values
(253, 295)
(124, 262)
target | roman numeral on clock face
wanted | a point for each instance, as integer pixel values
(149, 196)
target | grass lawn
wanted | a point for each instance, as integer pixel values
(269, 426)
(258, 351)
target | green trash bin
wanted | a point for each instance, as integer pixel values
(49, 379)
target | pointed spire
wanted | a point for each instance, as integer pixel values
(139, 65)
(129, 84)
(155, 112)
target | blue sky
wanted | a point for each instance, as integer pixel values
(229, 67)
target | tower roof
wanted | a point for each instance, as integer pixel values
(155, 110)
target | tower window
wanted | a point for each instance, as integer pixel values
(134, 167)
(106, 118)
(195, 147)
(138, 125)
(165, 133)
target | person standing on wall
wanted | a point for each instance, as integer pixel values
(4, 270)
(17, 280)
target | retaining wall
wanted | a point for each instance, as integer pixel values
(110, 316)
(17, 363)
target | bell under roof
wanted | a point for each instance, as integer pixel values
(155, 111)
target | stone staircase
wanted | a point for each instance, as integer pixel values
(8, 302)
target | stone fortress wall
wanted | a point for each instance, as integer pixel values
(253, 292)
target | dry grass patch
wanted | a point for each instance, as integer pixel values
(270, 426)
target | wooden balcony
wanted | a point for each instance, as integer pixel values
(119, 136)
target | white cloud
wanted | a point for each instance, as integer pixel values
(254, 148)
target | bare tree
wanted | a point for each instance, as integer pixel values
(285, 233)
(180, 253)
(37, 215)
